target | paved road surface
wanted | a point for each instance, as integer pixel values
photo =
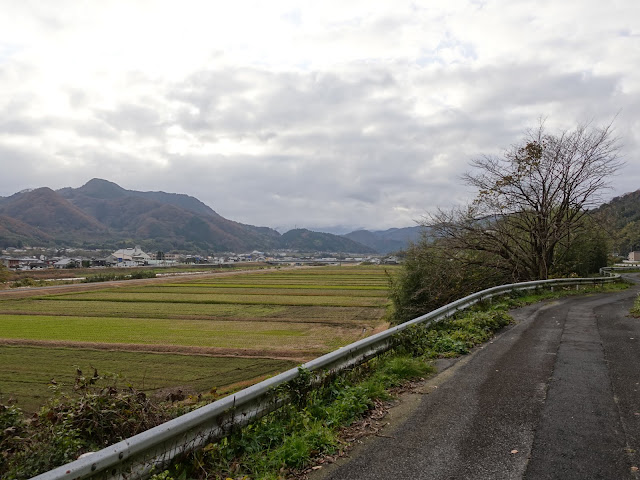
(554, 397)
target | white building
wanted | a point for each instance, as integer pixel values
(129, 257)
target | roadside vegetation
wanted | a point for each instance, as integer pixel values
(635, 310)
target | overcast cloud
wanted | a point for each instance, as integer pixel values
(310, 114)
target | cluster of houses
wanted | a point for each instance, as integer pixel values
(135, 257)
(125, 257)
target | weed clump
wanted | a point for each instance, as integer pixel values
(635, 310)
(450, 338)
(306, 427)
(107, 277)
(94, 416)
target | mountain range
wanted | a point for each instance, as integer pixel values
(101, 214)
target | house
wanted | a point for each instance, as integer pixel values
(128, 257)
(634, 257)
(25, 263)
(10, 262)
(67, 263)
(173, 257)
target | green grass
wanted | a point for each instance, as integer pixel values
(292, 286)
(26, 372)
(213, 298)
(272, 290)
(635, 310)
(61, 306)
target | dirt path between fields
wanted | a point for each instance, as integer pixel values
(293, 355)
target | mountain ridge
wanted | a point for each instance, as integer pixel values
(103, 213)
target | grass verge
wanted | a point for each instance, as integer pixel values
(635, 310)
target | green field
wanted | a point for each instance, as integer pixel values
(212, 298)
(266, 317)
(265, 337)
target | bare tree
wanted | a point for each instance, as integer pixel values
(533, 200)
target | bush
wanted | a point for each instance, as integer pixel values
(26, 282)
(452, 337)
(108, 277)
(432, 276)
(69, 425)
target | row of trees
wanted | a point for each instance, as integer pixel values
(531, 219)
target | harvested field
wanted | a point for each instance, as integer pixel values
(267, 316)
(29, 381)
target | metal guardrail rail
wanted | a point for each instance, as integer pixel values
(151, 451)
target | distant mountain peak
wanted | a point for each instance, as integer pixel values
(99, 188)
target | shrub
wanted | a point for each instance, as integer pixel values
(90, 419)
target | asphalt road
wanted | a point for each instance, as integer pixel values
(554, 397)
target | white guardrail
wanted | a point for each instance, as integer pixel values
(152, 451)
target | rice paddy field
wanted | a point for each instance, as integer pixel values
(213, 332)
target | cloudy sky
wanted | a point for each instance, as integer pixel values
(320, 114)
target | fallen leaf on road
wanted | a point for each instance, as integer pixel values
(514, 452)
(634, 469)
(317, 467)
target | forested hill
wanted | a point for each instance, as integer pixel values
(622, 210)
(103, 214)
(306, 240)
(387, 241)
(623, 217)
